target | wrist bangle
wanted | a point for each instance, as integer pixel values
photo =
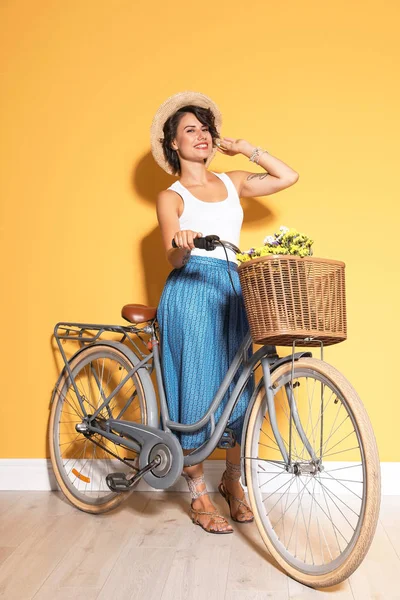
(254, 153)
(258, 157)
(255, 156)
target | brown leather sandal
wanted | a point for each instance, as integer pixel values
(215, 518)
(193, 482)
(228, 497)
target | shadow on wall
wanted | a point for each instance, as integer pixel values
(148, 179)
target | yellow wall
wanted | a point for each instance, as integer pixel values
(316, 84)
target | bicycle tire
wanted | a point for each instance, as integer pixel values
(347, 561)
(70, 489)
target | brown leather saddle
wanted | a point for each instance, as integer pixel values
(138, 313)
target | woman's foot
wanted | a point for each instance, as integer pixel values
(206, 515)
(211, 521)
(231, 489)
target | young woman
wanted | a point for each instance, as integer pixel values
(202, 322)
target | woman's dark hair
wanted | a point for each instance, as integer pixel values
(204, 115)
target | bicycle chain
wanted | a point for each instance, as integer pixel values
(112, 453)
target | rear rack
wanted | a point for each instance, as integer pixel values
(81, 333)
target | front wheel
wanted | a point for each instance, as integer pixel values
(317, 511)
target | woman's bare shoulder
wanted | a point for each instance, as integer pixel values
(168, 200)
(168, 196)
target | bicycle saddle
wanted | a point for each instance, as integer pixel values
(138, 313)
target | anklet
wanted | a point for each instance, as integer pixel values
(232, 471)
(192, 483)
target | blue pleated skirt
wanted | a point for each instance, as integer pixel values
(202, 324)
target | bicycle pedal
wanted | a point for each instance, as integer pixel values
(117, 482)
(228, 439)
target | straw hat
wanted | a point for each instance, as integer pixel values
(168, 108)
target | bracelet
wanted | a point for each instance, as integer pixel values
(255, 153)
(255, 156)
(258, 157)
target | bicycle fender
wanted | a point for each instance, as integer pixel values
(142, 373)
(273, 366)
(286, 359)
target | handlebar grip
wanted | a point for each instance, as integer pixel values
(198, 243)
(204, 243)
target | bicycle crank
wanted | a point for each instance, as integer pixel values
(119, 482)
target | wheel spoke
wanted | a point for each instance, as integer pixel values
(342, 468)
(333, 479)
(334, 446)
(330, 494)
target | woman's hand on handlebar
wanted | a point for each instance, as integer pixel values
(184, 238)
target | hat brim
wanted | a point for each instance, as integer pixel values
(168, 108)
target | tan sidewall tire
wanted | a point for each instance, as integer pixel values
(120, 497)
(373, 494)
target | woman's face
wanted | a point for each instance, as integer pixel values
(193, 140)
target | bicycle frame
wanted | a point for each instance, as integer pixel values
(266, 355)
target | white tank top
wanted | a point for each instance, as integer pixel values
(222, 218)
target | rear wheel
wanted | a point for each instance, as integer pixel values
(81, 462)
(318, 514)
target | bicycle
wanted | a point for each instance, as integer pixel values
(316, 516)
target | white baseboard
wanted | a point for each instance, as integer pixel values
(36, 474)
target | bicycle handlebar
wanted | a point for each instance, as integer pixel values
(209, 243)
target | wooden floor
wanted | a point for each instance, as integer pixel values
(148, 548)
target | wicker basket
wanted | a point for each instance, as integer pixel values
(289, 297)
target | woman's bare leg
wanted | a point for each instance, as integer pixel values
(204, 503)
(234, 487)
(233, 454)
